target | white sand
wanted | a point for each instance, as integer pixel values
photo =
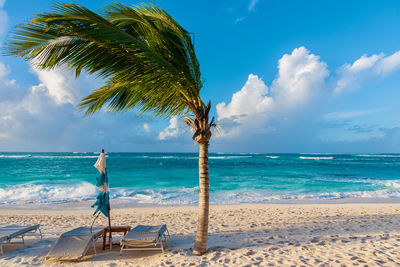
(240, 235)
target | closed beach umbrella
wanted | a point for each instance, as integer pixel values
(103, 198)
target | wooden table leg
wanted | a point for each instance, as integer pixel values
(104, 239)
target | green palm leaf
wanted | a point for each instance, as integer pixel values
(146, 58)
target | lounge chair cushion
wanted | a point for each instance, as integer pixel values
(75, 243)
(144, 235)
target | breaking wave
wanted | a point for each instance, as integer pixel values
(377, 156)
(15, 156)
(51, 194)
(47, 157)
(316, 158)
(41, 193)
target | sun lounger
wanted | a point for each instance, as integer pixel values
(7, 233)
(74, 244)
(145, 237)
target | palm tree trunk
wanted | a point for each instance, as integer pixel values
(200, 245)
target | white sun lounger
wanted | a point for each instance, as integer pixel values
(7, 233)
(74, 244)
(145, 237)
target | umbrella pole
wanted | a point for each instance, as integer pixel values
(109, 226)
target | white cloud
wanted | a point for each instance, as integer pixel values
(300, 78)
(35, 118)
(147, 127)
(5, 83)
(350, 76)
(364, 63)
(351, 114)
(252, 5)
(389, 64)
(296, 98)
(250, 100)
(59, 84)
(172, 130)
(3, 18)
(4, 71)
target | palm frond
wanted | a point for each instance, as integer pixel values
(146, 58)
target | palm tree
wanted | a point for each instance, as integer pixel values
(147, 61)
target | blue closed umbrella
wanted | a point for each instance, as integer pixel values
(103, 198)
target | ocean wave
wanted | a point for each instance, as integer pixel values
(229, 157)
(193, 157)
(316, 153)
(190, 196)
(66, 157)
(15, 156)
(50, 194)
(315, 158)
(48, 157)
(375, 183)
(390, 184)
(272, 157)
(42, 193)
(265, 197)
(377, 156)
(163, 157)
(166, 157)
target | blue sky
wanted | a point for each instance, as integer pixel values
(283, 76)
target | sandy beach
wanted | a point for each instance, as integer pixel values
(335, 234)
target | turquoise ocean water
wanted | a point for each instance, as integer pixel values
(172, 178)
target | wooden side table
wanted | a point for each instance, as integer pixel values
(114, 229)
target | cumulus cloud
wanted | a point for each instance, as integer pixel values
(31, 116)
(285, 114)
(297, 98)
(301, 78)
(44, 117)
(59, 84)
(173, 130)
(350, 76)
(388, 64)
(36, 112)
(251, 99)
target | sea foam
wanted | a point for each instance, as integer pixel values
(50, 194)
(377, 156)
(15, 156)
(315, 158)
(41, 193)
